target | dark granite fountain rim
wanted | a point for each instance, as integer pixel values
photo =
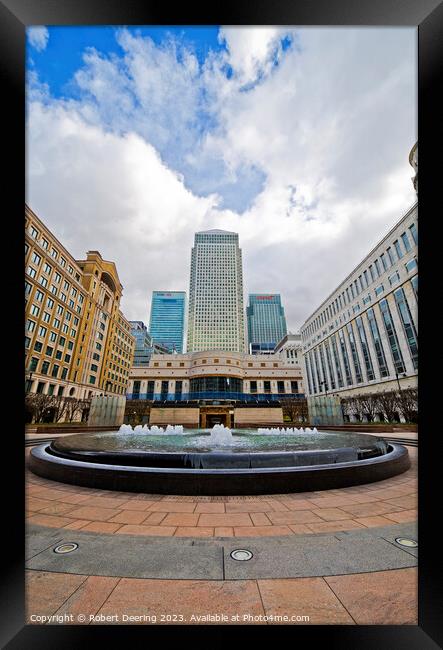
(42, 452)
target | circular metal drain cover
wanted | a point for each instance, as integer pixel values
(403, 541)
(241, 554)
(66, 548)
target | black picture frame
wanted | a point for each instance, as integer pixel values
(427, 15)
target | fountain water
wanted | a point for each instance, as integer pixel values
(285, 432)
(154, 430)
(221, 435)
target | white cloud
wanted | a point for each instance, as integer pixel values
(38, 37)
(156, 142)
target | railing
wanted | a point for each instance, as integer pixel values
(242, 397)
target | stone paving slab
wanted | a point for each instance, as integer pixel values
(209, 558)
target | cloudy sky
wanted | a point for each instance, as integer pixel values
(296, 138)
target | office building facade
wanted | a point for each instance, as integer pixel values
(215, 317)
(77, 341)
(216, 375)
(290, 349)
(266, 322)
(167, 320)
(363, 338)
(144, 344)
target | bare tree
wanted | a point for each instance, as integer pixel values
(408, 403)
(295, 407)
(58, 406)
(38, 404)
(388, 404)
(73, 406)
(136, 409)
(368, 405)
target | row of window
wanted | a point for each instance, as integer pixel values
(366, 278)
(329, 370)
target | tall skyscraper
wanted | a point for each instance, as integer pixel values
(167, 322)
(266, 322)
(216, 320)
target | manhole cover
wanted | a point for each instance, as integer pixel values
(403, 541)
(68, 547)
(241, 554)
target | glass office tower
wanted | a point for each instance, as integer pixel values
(216, 320)
(167, 322)
(266, 322)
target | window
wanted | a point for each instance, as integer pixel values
(52, 337)
(49, 351)
(47, 269)
(91, 379)
(413, 231)
(391, 255)
(267, 386)
(411, 265)
(70, 345)
(43, 282)
(56, 322)
(35, 310)
(34, 232)
(31, 272)
(50, 303)
(392, 336)
(377, 267)
(384, 261)
(62, 341)
(406, 243)
(51, 389)
(280, 386)
(67, 358)
(365, 349)
(94, 368)
(294, 386)
(58, 355)
(354, 353)
(38, 346)
(64, 374)
(398, 249)
(54, 253)
(394, 278)
(42, 331)
(408, 325)
(253, 386)
(27, 341)
(54, 289)
(45, 367)
(33, 364)
(62, 261)
(379, 290)
(45, 244)
(381, 359)
(36, 259)
(57, 278)
(345, 357)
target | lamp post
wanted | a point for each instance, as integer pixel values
(28, 377)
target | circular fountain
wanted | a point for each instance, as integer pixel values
(219, 461)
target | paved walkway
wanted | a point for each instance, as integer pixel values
(296, 585)
(60, 505)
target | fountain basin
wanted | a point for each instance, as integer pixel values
(275, 465)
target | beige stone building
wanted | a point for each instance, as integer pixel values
(77, 341)
(221, 385)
